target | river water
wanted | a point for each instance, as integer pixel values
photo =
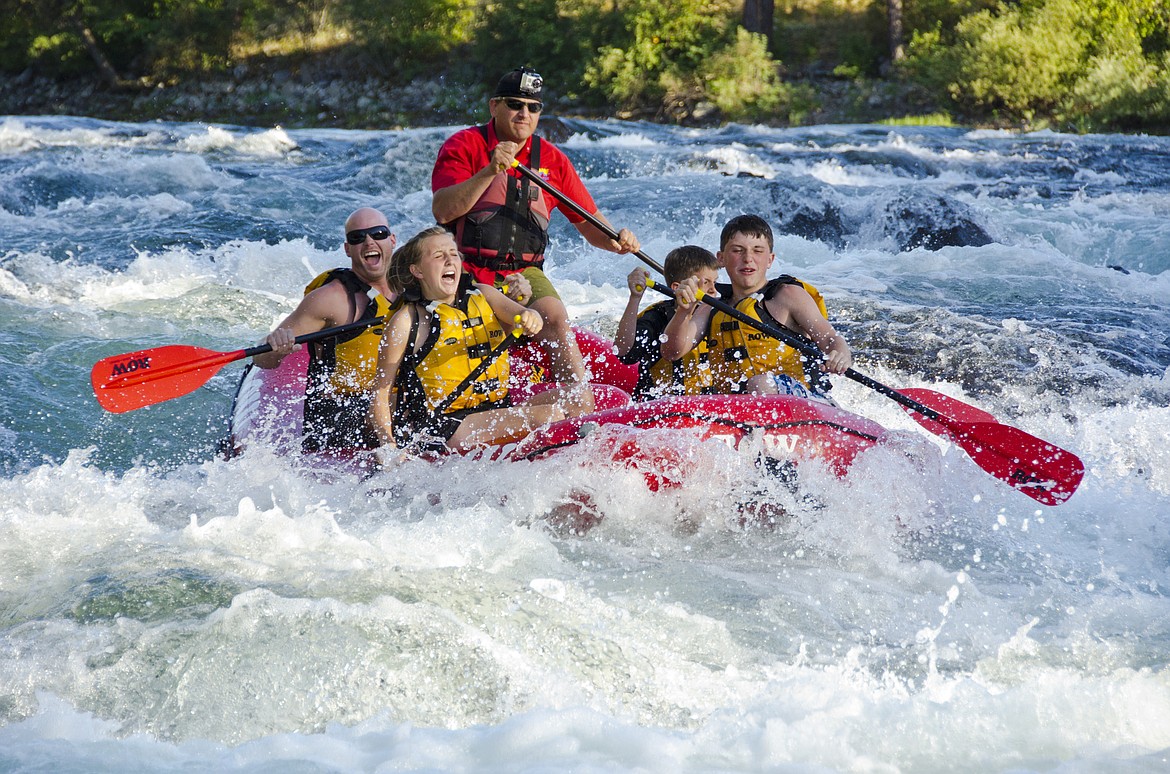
(162, 609)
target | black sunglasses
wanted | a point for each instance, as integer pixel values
(357, 236)
(517, 105)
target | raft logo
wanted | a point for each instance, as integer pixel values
(1021, 479)
(130, 366)
(780, 444)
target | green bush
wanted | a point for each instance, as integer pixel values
(660, 45)
(184, 36)
(408, 37)
(673, 55)
(742, 79)
(555, 37)
(137, 38)
(1089, 63)
(1126, 92)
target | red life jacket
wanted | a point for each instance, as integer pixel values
(507, 228)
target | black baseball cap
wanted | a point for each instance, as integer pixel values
(522, 82)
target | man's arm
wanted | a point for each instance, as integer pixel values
(626, 241)
(317, 310)
(453, 201)
(793, 306)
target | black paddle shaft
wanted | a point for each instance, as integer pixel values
(324, 333)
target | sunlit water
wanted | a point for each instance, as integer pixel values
(162, 609)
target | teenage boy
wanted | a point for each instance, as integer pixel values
(743, 359)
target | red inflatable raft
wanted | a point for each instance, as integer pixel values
(268, 410)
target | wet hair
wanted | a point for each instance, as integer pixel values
(682, 262)
(399, 277)
(752, 225)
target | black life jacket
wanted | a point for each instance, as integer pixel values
(507, 228)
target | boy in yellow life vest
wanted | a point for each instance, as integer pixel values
(426, 394)
(639, 335)
(743, 359)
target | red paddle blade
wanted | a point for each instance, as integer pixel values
(126, 382)
(1046, 473)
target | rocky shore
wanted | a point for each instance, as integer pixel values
(280, 98)
(307, 96)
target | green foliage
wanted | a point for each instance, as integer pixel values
(138, 37)
(930, 119)
(1083, 62)
(1087, 64)
(677, 54)
(62, 51)
(556, 37)
(662, 43)
(921, 16)
(274, 19)
(408, 37)
(182, 36)
(742, 79)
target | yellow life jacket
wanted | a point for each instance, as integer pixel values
(460, 336)
(689, 375)
(346, 364)
(737, 352)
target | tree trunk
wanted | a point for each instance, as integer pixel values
(758, 16)
(105, 69)
(894, 17)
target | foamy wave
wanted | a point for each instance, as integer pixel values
(737, 159)
(623, 140)
(274, 272)
(23, 135)
(271, 143)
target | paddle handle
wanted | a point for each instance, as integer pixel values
(324, 333)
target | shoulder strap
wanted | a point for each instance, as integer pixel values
(774, 285)
(412, 357)
(463, 293)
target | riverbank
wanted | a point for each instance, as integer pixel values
(307, 95)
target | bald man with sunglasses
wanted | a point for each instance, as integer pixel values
(500, 219)
(341, 369)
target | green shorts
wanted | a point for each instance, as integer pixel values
(541, 286)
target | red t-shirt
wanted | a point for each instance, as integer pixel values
(465, 153)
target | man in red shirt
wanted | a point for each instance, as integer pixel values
(500, 218)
